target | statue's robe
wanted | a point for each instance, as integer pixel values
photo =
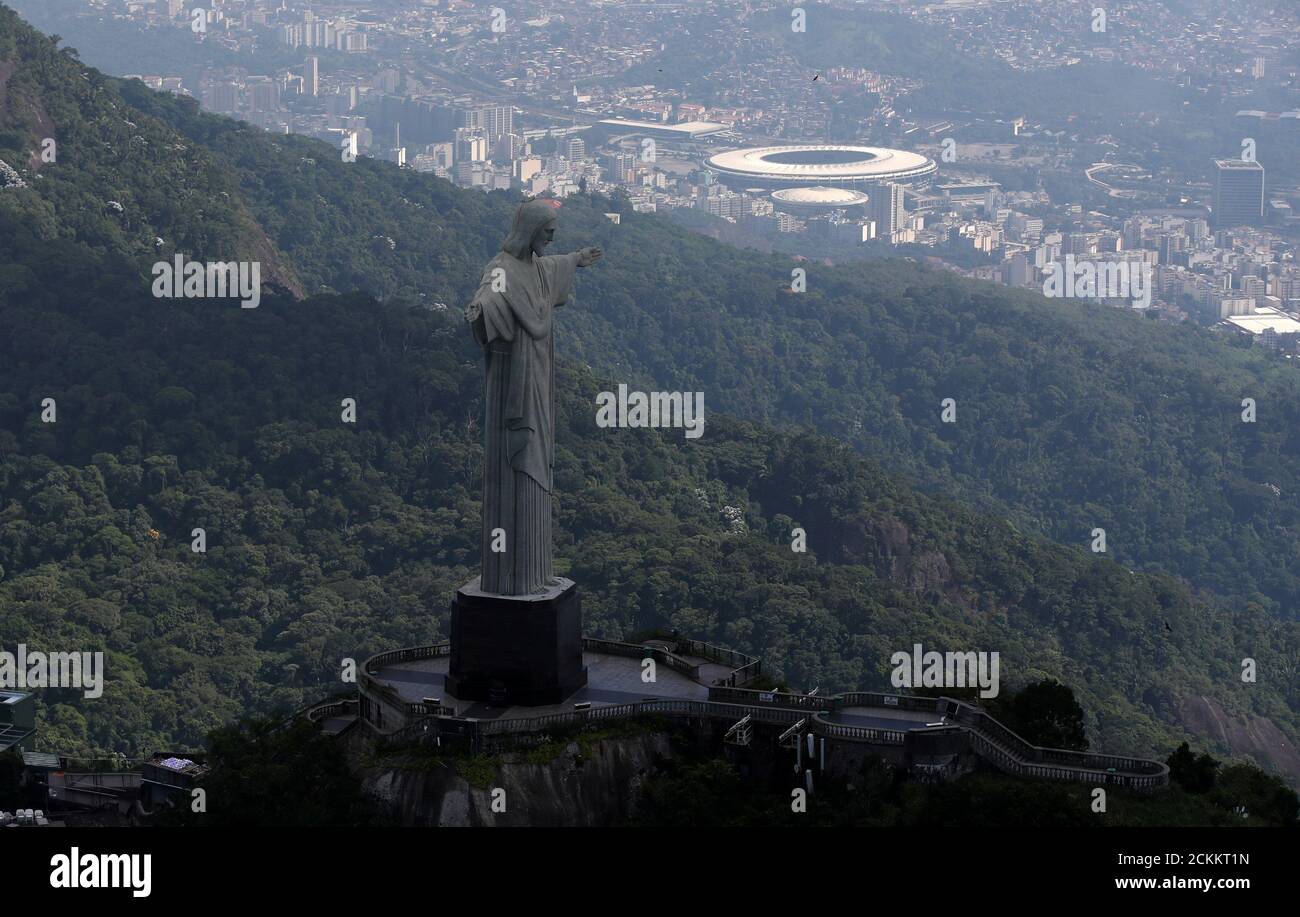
(513, 326)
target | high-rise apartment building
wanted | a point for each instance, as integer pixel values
(221, 97)
(885, 208)
(527, 167)
(1238, 193)
(311, 76)
(264, 94)
(471, 145)
(506, 148)
(619, 165)
(1078, 243)
(493, 120)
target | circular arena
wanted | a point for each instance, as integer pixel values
(775, 167)
(817, 199)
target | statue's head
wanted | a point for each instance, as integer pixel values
(533, 228)
(543, 237)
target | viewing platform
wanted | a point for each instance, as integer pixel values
(402, 699)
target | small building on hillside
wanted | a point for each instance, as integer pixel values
(17, 720)
(167, 778)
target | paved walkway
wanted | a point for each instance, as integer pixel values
(614, 680)
(610, 680)
(333, 725)
(883, 718)
(858, 716)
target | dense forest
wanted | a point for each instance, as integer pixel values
(710, 792)
(328, 540)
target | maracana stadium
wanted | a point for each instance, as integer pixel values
(774, 167)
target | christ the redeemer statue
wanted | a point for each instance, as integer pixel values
(512, 315)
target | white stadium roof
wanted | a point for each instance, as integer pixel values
(1264, 318)
(819, 196)
(816, 164)
(684, 128)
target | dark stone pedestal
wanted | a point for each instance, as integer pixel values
(516, 649)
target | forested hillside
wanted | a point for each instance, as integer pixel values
(328, 540)
(1069, 417)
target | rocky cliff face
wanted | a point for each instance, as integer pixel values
(1243, 733)
(589, 784)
